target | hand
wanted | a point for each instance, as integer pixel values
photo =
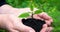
(48, 20)
(16, 25)
(13, 23)
(10, 21)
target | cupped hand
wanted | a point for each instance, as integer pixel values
(11, 22)
(44, 16)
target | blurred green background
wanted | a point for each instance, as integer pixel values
(52, 7)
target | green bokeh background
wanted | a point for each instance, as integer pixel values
(52, 7)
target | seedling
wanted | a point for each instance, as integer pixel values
(32, 12)
(36, 24)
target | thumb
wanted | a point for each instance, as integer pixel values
(23, 28)
(44, 28)
(19, 25)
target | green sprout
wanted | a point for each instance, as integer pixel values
(45, 7)
(24, 15)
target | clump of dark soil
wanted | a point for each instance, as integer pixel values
(3, 2)
(36, 24)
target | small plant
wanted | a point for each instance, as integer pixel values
(44, 7)
(26, 14)
(36, 24)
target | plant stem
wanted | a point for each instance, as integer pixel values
(32, 14)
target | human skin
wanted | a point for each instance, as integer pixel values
(10, 21)
(48, 20)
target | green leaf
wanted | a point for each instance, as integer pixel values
(37, 11)
(24, 15)
(31, 7)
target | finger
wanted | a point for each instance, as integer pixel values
(44, 28)
(50, 29)
(23, 28)
(37, 17)
(12, 30)
(31, 31)
(48, 22)
(45, 16)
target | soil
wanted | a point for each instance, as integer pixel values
(2, 2)
(36, 24)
